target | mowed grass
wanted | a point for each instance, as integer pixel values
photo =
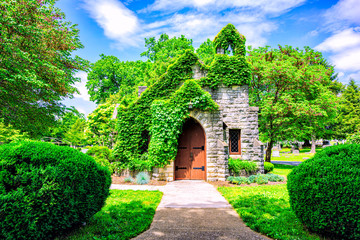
(281, 169)
(286, 156)
(127, 213)
(266, 209)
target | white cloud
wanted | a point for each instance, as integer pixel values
(265, 6)
(344, 48)
(347, 60)
(344, 10)
(81, 86)
(118, 22)
(345, 39)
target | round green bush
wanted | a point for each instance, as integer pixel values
(46, 189)
(325, 192)
(268, 167)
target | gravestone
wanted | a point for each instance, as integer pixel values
(276, 153)
(296, 152)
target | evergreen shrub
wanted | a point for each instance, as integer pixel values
(268, 167)
(100, 152)
(325, 192)
(237, 165)
(46, 189)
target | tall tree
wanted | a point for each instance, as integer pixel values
(164, 50)
(100, 127)
(37, 66)
(206, 52)
(348, 120)
(76, 133)
(110, 76)
(291, 87)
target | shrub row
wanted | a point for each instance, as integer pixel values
(259, 179)
(237, 165)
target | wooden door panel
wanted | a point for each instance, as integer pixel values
(191, 158)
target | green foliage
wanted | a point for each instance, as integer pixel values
(348, 119)
(230, 37)
(237, 165)
(268, 167)
(76, 134)
(100, 125)
(128, 179)
(324, 192)
(137, 119)
(259, 179)
(206, 52)
(266, 209)
(354, 139)
(154, 121)
(169, 116)
(109, 76)
(228, 70)
(37, 66)
(100, 152)
(127, 213)
(63, 125)
(164, 51)
(46, 189)
(9, 134)
(142, 178)
(291, 87)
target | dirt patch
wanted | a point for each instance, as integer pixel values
(120, 180)
(228, 184)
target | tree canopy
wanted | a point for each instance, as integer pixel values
(37, 66)
(291, 88)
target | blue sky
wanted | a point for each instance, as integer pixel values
(114, 27)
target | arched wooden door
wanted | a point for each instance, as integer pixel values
(190, 162)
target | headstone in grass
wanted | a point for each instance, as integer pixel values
(276, 153)
(296, 152)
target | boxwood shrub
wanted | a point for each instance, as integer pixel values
(237, 165)
(268, 167)
(46, 189)
(325, 192)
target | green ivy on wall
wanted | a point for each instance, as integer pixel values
(163, 107)
(227, 70)
(229, 36)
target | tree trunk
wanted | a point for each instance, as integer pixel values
(313, 145)
(268, 151)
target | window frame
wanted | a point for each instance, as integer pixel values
(239, 142)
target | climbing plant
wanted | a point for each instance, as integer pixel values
(230, 37)
(148, 129)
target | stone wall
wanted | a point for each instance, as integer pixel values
(235, 113)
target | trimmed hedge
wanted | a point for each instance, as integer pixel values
(268, 167)
(237, 165)
(325, 192)
(47, 189)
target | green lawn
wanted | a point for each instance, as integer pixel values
(286, 156)
(266, 209)
(281, 169)
(127, 213)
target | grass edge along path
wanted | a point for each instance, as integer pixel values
(266, 209)
(126, 214)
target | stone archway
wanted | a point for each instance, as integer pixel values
(190, 162)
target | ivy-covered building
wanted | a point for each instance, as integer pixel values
(188, 124)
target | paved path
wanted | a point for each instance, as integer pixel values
(287, 163)
(193, 210)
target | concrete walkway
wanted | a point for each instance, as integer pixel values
(193, 210)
